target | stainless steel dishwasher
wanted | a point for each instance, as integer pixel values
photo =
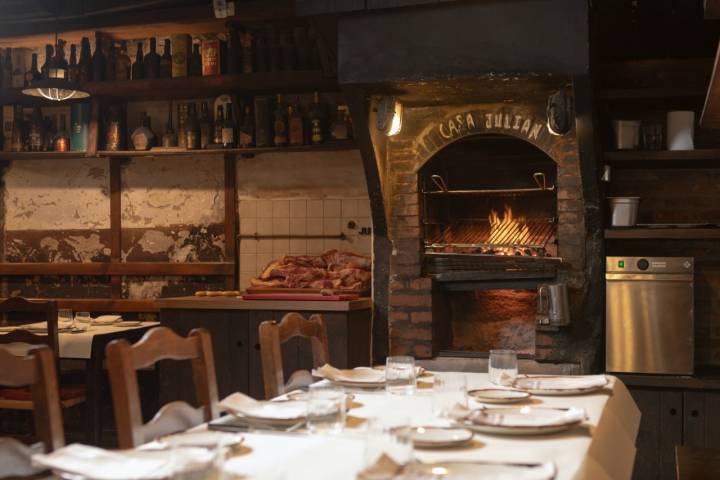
(649, 315)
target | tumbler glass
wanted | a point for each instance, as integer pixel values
(400, 375)
(326, 408)
(503, 367)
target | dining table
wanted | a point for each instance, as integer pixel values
(600, 447)
(89, 346)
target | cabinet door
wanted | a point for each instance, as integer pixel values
(660, 430)
(255, 381)
(701, 419)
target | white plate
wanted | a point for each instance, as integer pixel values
(560, 384)
(478, 471)
(127, 323)
(107, 320)
(275, 413)
(498, 395)
(523, 420)
(439, 437)
(201, 439)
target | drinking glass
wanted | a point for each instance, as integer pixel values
(400, 375)
(65, 318)
(389, 435)
(82, 321)
(503, 367)
(326, 408)
(448, 393)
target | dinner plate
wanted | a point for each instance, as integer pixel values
(439, 437)
(201, 439)
(523, 420)
(128, 323)
(478, 471)
(498, 395)
(107, 320)
(560, 384)
(275, 413)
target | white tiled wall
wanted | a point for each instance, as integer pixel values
(299, 216)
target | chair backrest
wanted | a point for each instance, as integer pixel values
(274, 334)
(37, 370)
(160, 343)
(45, 309)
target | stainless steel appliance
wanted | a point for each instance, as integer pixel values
(553, 307)
(649, 314)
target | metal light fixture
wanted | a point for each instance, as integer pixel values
(559, 113)
(56, 86)
(389, 116)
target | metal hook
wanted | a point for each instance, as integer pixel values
(541, 180)
(438, 180)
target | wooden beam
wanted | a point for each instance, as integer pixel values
(129, 268)
(231, 219)
(116, 223)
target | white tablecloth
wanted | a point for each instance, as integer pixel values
(77, 345)
(602, 448)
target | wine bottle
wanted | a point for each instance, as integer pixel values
(165, 70)
(17, 143)
(73, 68)
(49, 49)
(152, 61)
(143, 138)
(246, 132)
(205, 126)
(169, 139)
(228, 129)
(192, 128)
(33, 75)
(111, 61)
(98, 60)
(195, 67)
(84, 65)
(123, 64)
(61, 142)
(280, 125)
(138, 68)
(317, 121)
(35, 134)
(217, 128)
(296, 124)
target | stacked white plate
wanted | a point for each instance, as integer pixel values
(361, 377)
(478, 471)
(560, 384)
(286, 413)
(498, 395)
(523, 420)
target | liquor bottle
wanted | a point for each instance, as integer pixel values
(228, 129)
(195, 66)
(113, 129)
(17, 144)
(18, 67)
(138, 68)
(246, 49)
(7, 70)
(246, 132)
(180, 55)
(60, 61)
(217, 128)
(61, 142)
(280, 124)
(123, 64)
(79, 121)
(192, 128)
(169, 139)
(98, 60)
(317, 121)
(49, 49)
(84, 65)
(296, 124)
(210, 57)
(263, 122)
(152, 61)
(49, 127)
(36, 131)
(233, 51)
(33, 75)
(73, 68)
(111, 61)
(205, 126)
(339, 129)
(143, 137)
(182, 122)
(166, 61)
(287, 52)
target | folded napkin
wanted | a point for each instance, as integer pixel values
(100, 464)
(560, 382)
(356, 375)
(240, 404)
(37, 327)
(527, 417)
(107, 319)
(15, 458)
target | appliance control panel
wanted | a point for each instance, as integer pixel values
(649, 264)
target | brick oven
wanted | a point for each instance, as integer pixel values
(484, 204)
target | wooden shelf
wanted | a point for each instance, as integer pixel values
(41, 155)
(650, 93)
(662, 233)
(119, 269)
(197, 87)
(108, 305)
(664, 158)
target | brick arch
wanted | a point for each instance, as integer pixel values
(522, 122)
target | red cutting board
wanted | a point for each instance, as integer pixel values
(301, 296)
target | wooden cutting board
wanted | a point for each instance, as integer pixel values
(301, 297)
(253, 290)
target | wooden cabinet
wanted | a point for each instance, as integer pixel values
(237, 348)
(672, 417)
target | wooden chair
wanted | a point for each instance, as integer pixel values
(160, 343)
(37, 371)
(21, 398)
(274, 334)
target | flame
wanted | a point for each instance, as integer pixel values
(506, 229)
